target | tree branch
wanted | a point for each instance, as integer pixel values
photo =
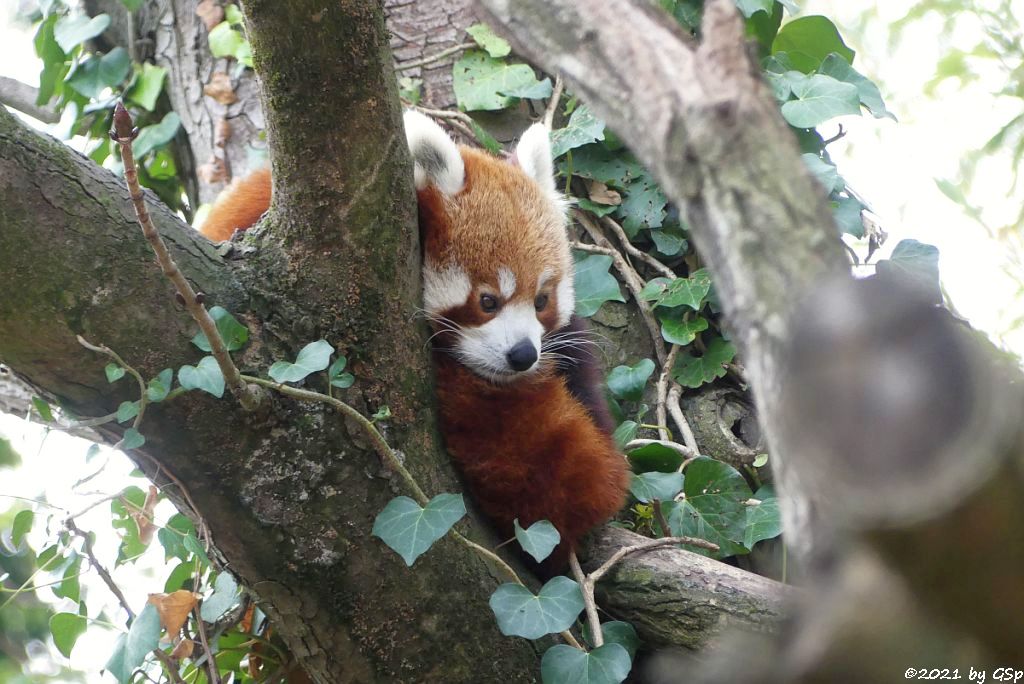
(22, 97)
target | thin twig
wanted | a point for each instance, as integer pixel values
(651, 261)
(662, 391)
(589, 605)
(143, 397)
(123, 133)
(681, 449)
(210, 661)
(436, 57)
(649, 545)
(556, 95)
(675, 392)
(659, 515)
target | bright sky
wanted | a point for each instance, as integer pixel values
(892, 165)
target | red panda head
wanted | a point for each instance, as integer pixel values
(497, 269)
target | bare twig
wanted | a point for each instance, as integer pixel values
(123, 133)
(662, 392)
(589, 605)
(659, 515)
(210, 660)
(650, 545)
(674, 393)
(436, 57)
(22, 97)
(651, 261)
(552, 109)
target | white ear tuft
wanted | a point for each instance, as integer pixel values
(437, 159)
(534, 155)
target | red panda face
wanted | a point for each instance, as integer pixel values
(497, 269)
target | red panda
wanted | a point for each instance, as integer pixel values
(519, 394)
(522, 412)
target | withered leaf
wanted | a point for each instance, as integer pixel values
(183, 649)
(173, 609)
(219, 88)
(600, 193)
(210, 13)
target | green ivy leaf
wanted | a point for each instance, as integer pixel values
(172, 537)
(655, 457)
(132, 439)
(616, 632)
(194, 546)
(668, 243)
(132, 648)
(160, 386)
(539, 539)
(21, 526)
(225, 41)
(628, 382)
(225, 593)
(596, 162)
(42, 407)
(486, 39)
(55, 64)
(646, 487)
(152, 137)
(132, 5)
(383, 413)
(714, 507)
(337, 377)
(643, 206)
(582, 128)
(479, 80)
(127, 410)
(825, 172)
(625, 433)
(72, 30)
(809, 40)
(847, 213)
(234, 334)
(748, 7)
(764, 521)
(114, 372)
(678, 292)
(180, 577)
(66, 628)
(594, 284)
(562, 664)
(312, 358)
(69, 586)
(914, 264)
(206, 376)
(410, 530)
(97, 73)
(681, 332)
(838, 68)
(521, 613)
(537, 90)
(820, 98)
(693, 371)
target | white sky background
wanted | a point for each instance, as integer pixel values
(892, 165)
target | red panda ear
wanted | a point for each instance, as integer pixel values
(436, 157)
(533, 154)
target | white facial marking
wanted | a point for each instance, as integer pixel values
(544, 277)
(506, 282)
(436, 157)
(484, 348)
(566, 294)
(444, 288)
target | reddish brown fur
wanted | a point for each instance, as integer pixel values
(239, 207)
(528, 449)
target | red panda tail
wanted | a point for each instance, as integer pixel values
(239, 206)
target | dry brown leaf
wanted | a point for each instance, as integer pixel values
(600, 193)
(144, 518)
(174, 608)
(219, 88)
(211, 13)
(183, 649)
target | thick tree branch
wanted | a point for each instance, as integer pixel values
(22, 97)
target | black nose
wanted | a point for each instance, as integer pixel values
(522, 355)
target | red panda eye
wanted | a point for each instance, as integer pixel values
(540, 302)
(488, 303)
